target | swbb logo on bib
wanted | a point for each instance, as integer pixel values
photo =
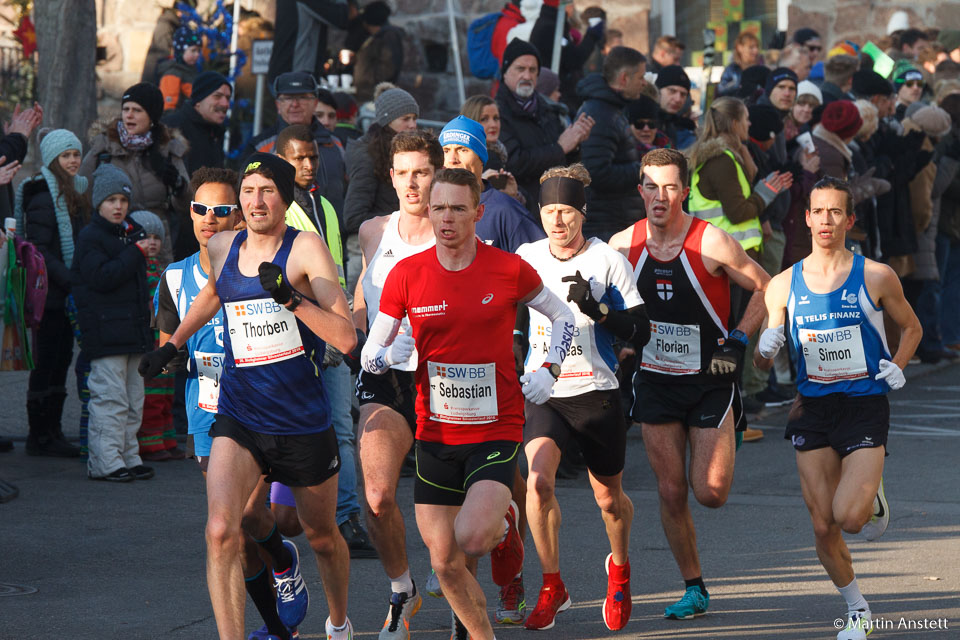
(463, 393)
(673, 349)
(209, 369)
(833, 355)
(262, 332)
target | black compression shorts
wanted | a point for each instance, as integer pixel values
(846, 423)
(446, 471)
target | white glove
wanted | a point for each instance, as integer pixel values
(537, 386)
(892, 374)
(770, 342)
(400, 350)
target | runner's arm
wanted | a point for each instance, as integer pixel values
(721, 251)
(883, 285)
(375, 357)
(775, 299)
(359, 302)
(329, 319)
(561, 317)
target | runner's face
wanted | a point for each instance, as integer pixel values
(662, 193)
(212, 194)
(70, 161)
(827, 218)
(263, 208)
(304, 157)
(453, 215)
(456, 156)
(563, 224)
(412, 174)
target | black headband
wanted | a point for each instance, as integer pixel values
(560, 190)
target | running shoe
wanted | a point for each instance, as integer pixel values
(551, 602)
(433, 585)
(511, 603)
(617, 604)
(881, 516)
(858, 625)
(343, 634)
(264, 634)
(402, 608)
(457, 630)
(292, 595)
(506, 559)
(693, 603)
(751, 435)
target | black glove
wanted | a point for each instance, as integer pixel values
(271, 279)
(135, 237)
(171, 178)
(728, 360)
(152, 364)
(353, 358)
(581, 295)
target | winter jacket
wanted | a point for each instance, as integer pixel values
(834, 155)
(505, 224)
(380, 59)
(42, 229)
(925, 258)
(205, 138)
(110, 289)
(368, 195)
(510, 17)
(949, 223)
(176, 83)
(729, 80)
(573, 54)
(719, 181)
(832, 93)
(610, 155)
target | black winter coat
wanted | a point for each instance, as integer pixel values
(110, 289)
(40, 225)
(898, 160)
(610, 155)
(368, 195)
(205, 138)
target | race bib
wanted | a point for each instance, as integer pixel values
(209, 370)
(674, 349)
(463, 393)
(833, 355)
(262, 332)
(579, 358)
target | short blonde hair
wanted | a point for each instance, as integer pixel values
(870, 116)
(575, 171)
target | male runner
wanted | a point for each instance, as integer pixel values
(273, 344)
(387, 415)
(834, 302)
(685, 387)
(585, 404)
(213, 210)
(461, 300)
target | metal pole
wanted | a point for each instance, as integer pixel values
(233, 69)
(258, 105)
(558, 36)
(455, 43)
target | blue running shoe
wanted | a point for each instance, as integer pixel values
(693, 603)
(264, 634)
(292, 595)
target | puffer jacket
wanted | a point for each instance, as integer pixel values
(368, 195)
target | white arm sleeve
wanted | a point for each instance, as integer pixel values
(379, 338)
(564, 322)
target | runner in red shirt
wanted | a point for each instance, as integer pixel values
(461, 299)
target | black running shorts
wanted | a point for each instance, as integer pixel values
(846, 423)
(594, 419)
(296, 461)
(394, 389)
(693, 405)
(446, 471)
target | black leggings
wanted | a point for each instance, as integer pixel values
(53, 351)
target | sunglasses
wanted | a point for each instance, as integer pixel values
(813, 48)
(913, 83)
(220, 210)
(645, 124)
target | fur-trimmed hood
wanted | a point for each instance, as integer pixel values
(176, 146)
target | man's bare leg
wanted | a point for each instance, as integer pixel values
(543, 516)
(617, 512)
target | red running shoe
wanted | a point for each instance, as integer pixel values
(617, 604)
(506, 559)
(552, 601)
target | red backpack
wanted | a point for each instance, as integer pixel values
(35, 282)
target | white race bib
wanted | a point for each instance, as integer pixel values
(209, 370)
(463, 393)
(674, 349)
(262, 332)
(833, 355)
(579, 359)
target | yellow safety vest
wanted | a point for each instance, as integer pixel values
(748, 233)
(297, 218)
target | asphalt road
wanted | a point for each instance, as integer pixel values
(92, 560)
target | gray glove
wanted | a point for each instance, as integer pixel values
(766, 192)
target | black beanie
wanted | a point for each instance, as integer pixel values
(514, 50)
(867, 82)
(148, 96)
(324, 96)
(765, 122)
(643, 108)
(284, 175)
(755, 75)
(376, 14)
(777, 76)
(206, 83)
(803, 34)
(673, 76)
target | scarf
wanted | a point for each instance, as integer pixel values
(64, 222)
(834, 141)
(134, 142)
(528, 105)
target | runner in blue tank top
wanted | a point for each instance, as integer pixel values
(834, 302)
(274, 343)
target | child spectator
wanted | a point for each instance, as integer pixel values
(113, 311)
(177, 73)
(157, 436)
(346, 129)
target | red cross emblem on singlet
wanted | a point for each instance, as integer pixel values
(664, 289)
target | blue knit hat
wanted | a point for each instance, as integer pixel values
(108, 180)
(56, 142)
(466, 133)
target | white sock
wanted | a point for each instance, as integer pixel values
(855, 600)
(402, 583)
(343, 627)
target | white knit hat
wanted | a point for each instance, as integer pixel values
(807, 88)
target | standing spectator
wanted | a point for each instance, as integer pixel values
(483, 109)
(908, 82)
(809, 39)
(948, 229)
(840, 123)
(531, 130)
(13, 148)
(149, 154)
(838, 78)
(346, 128)
(300, 34)
(949, 39)
(380, 58)
(870, 85)
(178, 73)
(664, 54)
(674, 86)
(780, 93)
(752, 82)
(809, 99)
(746, 53)
(609, 153)
(326, 110)
(912, 42)
(113, 311)
(796, 58)
(644, 116)
(200, 119)
(50, 209)
(510, 16)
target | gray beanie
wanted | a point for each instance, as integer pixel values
(394, 103)
(108, 180)
(150, 222)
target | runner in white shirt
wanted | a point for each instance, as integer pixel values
(585, 404)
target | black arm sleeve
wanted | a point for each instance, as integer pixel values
(630, 325)
(168, 318)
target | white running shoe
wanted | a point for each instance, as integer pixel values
(343, 634)
(859, 625)
(402, 608)
(880, 518)
(433, 585)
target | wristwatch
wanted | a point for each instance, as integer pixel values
(739, 336)
(295, 299)
(553, 368)
(604, 310)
